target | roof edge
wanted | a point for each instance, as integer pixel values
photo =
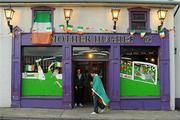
(169, 2)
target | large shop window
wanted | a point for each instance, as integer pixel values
(139, 71)
(139, 19)
(42, 71)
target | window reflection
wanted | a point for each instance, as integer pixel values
(90, 52)
(139, 71)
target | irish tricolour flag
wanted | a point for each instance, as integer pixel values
(80, 29)
(29, 68)
(42, 29)
(162, 33)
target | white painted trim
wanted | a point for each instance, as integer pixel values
(172, 71)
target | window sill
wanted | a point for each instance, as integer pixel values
(139, 31)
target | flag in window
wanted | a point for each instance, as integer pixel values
(42, 28)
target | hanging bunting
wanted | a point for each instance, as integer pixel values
(62, 27)
(88, 27)
(143, 33)
(113, 30)
(132, 32)
(162, 34)
(80, 29)
(13, 35)
(103, 29)
(172, 29)
(69, 28)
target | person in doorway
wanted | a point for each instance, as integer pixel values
(100, 98)
(79, 85)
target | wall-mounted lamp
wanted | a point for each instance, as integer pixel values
(115, 14)
(161, 15)
(67, 15)
(9, 12)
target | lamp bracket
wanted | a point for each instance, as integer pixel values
(160, 27)
(114, 27)
(10, 26)
(67, 23)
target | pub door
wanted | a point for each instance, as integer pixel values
(86, 67)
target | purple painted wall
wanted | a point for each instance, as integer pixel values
(117, 102)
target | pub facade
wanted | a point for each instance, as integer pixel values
(128, 44)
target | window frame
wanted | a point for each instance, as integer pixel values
(43, 8)
(144, 11)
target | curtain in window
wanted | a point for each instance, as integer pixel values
(42, 28)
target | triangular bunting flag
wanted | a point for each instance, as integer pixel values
(114, 30)
(142, 34)
(162, 34)
(13, 35)
(103, 29)
(132, 32)
(62, 27)
(80, 29)
(87, 28)
(69, 28)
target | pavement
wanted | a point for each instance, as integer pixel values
(84, 114)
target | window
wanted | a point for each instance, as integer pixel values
(139, 19)
(42, 15)
(42, 71)
(139, 71)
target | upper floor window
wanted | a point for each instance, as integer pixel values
(139, 19)
(42, 19)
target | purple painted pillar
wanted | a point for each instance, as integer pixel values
(67, 70)
(16, 70)
(165, 73)
(114, 76)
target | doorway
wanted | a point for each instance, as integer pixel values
(86, 67)
(88, 58)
